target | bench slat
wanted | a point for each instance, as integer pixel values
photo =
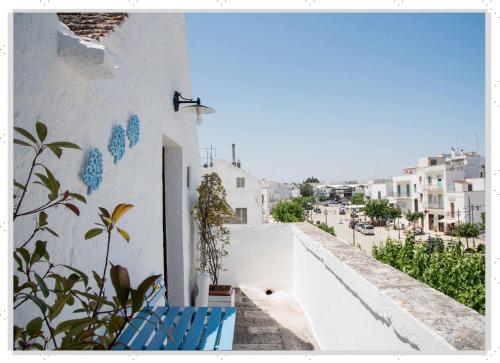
(180, 329)
(227, 329)
(194, 333)
(212, 331)
(157, 342)
(124, 339)
(148, 329)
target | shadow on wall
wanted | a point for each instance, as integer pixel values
(257, 330)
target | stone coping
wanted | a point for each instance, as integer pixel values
(426, 318)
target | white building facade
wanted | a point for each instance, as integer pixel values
(244, 191)
(81, 88)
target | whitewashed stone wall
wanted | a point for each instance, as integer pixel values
(148, 58)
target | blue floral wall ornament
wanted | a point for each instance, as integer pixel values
(117, 143)
(133, 130)
(92, 174)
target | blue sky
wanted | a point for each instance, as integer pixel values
(337, 96)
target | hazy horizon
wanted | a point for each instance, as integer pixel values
(338, 96)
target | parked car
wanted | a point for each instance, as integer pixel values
(367, 229)
(358, 226)
(342, 211)
(317, 210)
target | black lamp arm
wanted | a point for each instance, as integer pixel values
(178, 101)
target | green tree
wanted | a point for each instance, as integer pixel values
(394, 213)
(322, 198)
(304, 202)
(311, 179)
(289, 211)
(376, 209)
(358, 199)
(467, 230)
(414, 217)
(306, 190)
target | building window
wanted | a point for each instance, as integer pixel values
(242, 215)
(399, 190)
(240, 182)
(188, 177)
(429, 179)
(433, 162)
(469, 187)
(379, 194)
(414, 188)
(407, 190)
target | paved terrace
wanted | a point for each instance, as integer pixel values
(270, 322)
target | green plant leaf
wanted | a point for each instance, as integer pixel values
(34, 327)
(21, 142)
(42, 285)
(40, 250)
(124, 234)
(41, 131)
(26, 134)
(25, 254)
(56, 150)
(39, 302)
(97, 279)
(91, 233)
(50, 231)
(58, 306)
(42, 219)
(64, 144)
(139, 294)
(121, 283)
(81, 274)
(104, 212)
(79, 197)
(19, 185)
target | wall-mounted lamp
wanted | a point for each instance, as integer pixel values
(195, 106)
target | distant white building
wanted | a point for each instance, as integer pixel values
(244, 191)
(379, 189)
(274, 192)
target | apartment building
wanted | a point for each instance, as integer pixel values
(448, 188)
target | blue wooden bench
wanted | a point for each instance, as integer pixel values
(189, 328)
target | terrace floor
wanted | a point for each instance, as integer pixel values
(270, 322)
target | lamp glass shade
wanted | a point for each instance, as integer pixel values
(198, 109)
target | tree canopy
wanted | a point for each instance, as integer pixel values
(311, 179)
(306, 190)
(358, 199)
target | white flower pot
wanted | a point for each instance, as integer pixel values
(202, 284)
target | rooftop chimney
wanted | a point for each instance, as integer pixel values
(234, 152)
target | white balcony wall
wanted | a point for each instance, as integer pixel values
(353, 303)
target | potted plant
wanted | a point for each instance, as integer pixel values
(212, 212)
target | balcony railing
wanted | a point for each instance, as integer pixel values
(434, 205)
(432, 187)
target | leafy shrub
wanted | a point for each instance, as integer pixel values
(448, 268)
(288, 212)
(326, 228)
